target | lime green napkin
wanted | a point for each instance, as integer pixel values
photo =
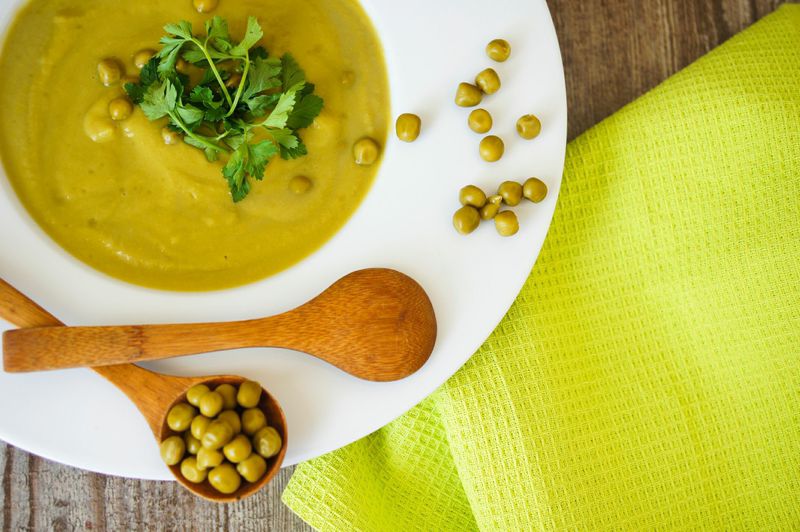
(648, 375)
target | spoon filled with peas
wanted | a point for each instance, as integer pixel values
(223, 437)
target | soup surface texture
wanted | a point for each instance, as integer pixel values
(161, 215)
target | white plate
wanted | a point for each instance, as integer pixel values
(77, 418)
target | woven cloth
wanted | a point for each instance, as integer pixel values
(648, 375)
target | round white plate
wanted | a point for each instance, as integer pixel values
(77, 418)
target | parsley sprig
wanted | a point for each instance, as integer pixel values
(249, 122)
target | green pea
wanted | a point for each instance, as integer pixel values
(534, 189)
(472, 195)
(253, 420)
(408, 127)
(180, 417)
(199, 426)
(211, 404)
(249, 394)
(466, 219)
(498, 50)
(191, 472)
(217, 435)
(511, 192)
(253, 468)
(172, 450)
(529, 127)
(231, 418)
(491, 208)
(192, 444)
(468, 95)
(225, 479)
(492, 148)
(207, 458)
(238, 449)
(480, 121)
(194, 394)
(228, 393)
(488, 81)
(366, 152)
(506, 223)
(267, 442)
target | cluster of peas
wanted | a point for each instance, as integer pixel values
(492, 148)
(229, 439)
(476, 206)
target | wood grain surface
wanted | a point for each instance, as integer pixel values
(614, 50)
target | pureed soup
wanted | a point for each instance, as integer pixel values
(159, 214)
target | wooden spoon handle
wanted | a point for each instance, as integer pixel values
(65, 347)
(18, 309)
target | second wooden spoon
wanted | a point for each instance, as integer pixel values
(377, 324)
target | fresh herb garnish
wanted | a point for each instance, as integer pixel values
(220, 116)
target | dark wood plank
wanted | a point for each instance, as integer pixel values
(614, 50)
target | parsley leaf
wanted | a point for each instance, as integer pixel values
(241, 90)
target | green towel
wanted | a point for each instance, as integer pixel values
(648, 375)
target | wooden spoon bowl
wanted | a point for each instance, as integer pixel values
(275, 418)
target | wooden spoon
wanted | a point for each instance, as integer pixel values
(377, 324)
(154, 394)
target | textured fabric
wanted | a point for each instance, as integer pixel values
(648, 375)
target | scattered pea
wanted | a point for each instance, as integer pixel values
(529, 127)
(300, 184)
(366, 152)
(534, 189)
(205, 6)
(468, 95)
(142, 57)
(480, 121)
(498, 50)
(488, 81)
(492, 148)
(473, 196)
(466, 219)
(120, 109)
(407, 127)
(109, 71)
(491, 208)
(506, 223)
(511, 192)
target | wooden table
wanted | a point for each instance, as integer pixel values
(614, 50)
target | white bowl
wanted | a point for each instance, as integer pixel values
(77, 418)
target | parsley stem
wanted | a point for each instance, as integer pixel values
(214, 70)
(241, 85)
(208, 144)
